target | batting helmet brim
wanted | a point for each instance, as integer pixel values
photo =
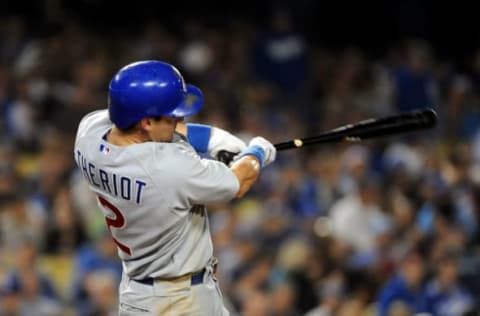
(192, 103)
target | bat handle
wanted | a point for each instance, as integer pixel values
(225, 156)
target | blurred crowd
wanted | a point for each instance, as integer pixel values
(385, 227)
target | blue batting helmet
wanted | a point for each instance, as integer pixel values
(148, 89)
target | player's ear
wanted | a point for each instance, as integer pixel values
(146, 124)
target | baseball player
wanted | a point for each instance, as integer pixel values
(152, 186)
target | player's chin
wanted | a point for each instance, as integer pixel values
(169, 138)
(164, 137)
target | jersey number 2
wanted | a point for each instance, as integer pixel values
(117, 222)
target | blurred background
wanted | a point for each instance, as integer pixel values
(384, 227)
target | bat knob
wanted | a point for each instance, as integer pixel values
(225, 156)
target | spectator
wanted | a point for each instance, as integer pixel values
(444, 294)
(415, 85)
(280, 55)
(101, 288)
(405, 286)
(357, 218)
(26, 254)
(100, 257)
(33, 300)
(9, 303)
(352, 307)
(283, 300)
(331, 295)
(65, 233)
(27, 291)
(21, 219)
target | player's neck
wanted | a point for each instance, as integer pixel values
(120, 138)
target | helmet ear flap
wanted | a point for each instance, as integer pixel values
(148, 89)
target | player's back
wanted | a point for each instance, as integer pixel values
(150, 194)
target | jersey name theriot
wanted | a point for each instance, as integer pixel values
(151, 196)
(110, 182)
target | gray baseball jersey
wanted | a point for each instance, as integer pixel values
(152, 195)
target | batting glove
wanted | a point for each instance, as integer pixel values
(262, 149)
(223, 140)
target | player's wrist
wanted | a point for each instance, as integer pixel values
(199, 136)
(256, 151)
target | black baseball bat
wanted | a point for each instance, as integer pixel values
(370, 128)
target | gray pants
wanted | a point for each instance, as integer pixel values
(174, 298)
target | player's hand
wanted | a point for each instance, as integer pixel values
(223, 140)
(269, 150)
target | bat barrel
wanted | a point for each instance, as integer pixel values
(370, 128)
